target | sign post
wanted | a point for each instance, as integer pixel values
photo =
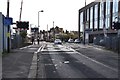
(8, 39)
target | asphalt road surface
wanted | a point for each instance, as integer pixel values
(66, 61)
(76, 61)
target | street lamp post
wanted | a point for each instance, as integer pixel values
(38, 17)
(38, 21)
(53, 31)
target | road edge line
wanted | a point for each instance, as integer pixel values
(94, 60)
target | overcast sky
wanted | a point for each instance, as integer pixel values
(63, 12)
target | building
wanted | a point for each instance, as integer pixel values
(3, 34)
(96, 22)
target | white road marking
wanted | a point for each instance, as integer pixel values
(95, 61)
(73, 51)
(33, 67)
(56, 49)
(25, 47)
(43, 47)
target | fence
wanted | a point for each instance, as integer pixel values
(112, 41)
(16, 41)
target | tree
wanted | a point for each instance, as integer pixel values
(23, 34)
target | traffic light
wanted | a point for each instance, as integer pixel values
(116, 25)
(34, 29)
(22, 24)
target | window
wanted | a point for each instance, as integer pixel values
(101, 10)
(81, 21)
(87, 14)
(96, 11)
(115, 6)
(115, 9)
(107, 7)
(96, 17)
(91, 17)
(101, 15)
(101, 23)
(107, 22)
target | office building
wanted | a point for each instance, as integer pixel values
(96, 22)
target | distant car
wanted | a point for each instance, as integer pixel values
(57, 41)
(70, 41)
(77, 41)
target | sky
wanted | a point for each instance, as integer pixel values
(64, 13)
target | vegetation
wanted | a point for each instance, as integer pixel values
(23, 34)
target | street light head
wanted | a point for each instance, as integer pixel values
(8, 0)
(41, 11)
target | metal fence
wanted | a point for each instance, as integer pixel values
(112, 41)
(16, 41)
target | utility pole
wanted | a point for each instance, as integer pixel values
(84, 25)
(47, 32)
(20, 15)
(53, 31)
(21, 10)
(38, 17)
(8, 32)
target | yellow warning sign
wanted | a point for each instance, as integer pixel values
(8, 34)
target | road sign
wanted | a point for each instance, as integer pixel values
(34, 29)
(8, 35)
(8, 21)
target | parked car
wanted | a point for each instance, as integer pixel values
(57, 41)
(77, 41)
(70, 41)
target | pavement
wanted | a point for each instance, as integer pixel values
(17, 64)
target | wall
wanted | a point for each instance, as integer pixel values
(16, 41)
(1, 33)
(5, 29)
(1, 43)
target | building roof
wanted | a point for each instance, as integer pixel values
(88, 6)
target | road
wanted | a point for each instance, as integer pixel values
(68, 60)
(71, 60)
